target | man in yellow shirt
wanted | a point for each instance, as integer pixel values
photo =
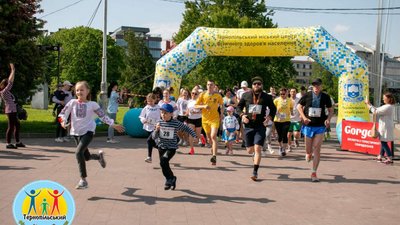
(209, 102)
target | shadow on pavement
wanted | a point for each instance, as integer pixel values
(23, 156)
(15, 168)
(336, 179)
(191, 196)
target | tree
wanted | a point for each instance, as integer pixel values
(81, 54)
(329, 81)
(19, 29)
(229, 71)
(139, 73)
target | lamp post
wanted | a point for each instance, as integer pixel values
(103, 86)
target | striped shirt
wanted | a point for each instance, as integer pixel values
(8, 98)
(167, 137)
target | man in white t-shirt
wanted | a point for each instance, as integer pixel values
(244, 87)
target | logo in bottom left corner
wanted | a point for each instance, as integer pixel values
(44, 202)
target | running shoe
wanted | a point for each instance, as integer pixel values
(213, 160)
(11, 146)
(148, 160)
(254, 176)
(191, 151)
(184, 144)
(208, 145)
(82, 184)
(20, 145)
(289, 148)
(270, 149)
(102, 161)
(314, 177)
(173, 183)
(167, 185)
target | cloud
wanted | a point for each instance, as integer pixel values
(340, 28)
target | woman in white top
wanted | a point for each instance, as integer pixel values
(181, 106)
(150, 116)
(194, 118)
(167, 99)
(386, 125)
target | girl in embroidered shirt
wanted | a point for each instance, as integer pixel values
(82, 111)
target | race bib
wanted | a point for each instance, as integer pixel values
(151, 121)
(167, 132)
(254, 109)
(314, 112)
(282, 115)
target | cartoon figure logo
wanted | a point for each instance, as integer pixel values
(353, 91)
(44, 202)
(163, 83)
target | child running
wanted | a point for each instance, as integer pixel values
(230, 126)
(166, 136)
(81, 112)
(150, 116)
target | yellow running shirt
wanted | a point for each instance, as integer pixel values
(213, 101)
(283, 109)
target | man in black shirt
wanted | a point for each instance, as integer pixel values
(255, 103)
(312, 111)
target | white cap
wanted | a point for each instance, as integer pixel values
(244, 84)
(67, 83)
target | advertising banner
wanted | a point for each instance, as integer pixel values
(356, 137)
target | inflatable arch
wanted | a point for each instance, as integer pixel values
(315, 42)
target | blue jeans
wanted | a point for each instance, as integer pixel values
(385, 149)
(110, 129)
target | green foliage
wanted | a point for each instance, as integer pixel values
(81, 56)
(139, 73)
(229, 71)
(42, 121)
(19, 29)
(329, 81)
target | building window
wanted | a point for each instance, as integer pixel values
(304, 66)
(304, 74)
(297, 65)
(310, 66)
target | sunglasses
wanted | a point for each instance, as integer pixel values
(194, 93)
(257, 83)
(282, 94)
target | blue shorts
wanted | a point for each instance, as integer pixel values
(254, 136)
(310, 132)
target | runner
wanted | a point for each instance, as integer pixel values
(209, 102)
(284, 107)
(254, 117)
(312, 110)
(295, 124)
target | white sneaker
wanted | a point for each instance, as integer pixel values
(148, 160)
(59, 140)
(82, 184)
(199, 143)
(264, 153)
(180, 142)
(184, 144)
(66, 139)
(289, 149)
(112, 141)
(271, 151)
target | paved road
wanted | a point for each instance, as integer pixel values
(353, 190)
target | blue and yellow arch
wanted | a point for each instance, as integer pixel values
(315, 42)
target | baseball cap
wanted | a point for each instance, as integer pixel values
(244, 84)
(167, 107)
(317, 82)
(67, 83)
(257, 78)
(230, 109)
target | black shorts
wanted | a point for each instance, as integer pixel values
(182, 118)
(254, 136)
(195, 122)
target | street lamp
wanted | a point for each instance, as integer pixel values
(103, 86)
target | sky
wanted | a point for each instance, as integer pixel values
(163, 17)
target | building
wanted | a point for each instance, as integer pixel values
(303, 67)
(153, 42)
(391, 72)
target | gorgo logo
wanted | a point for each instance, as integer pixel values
(44, 202)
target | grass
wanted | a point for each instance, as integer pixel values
(42, 121)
